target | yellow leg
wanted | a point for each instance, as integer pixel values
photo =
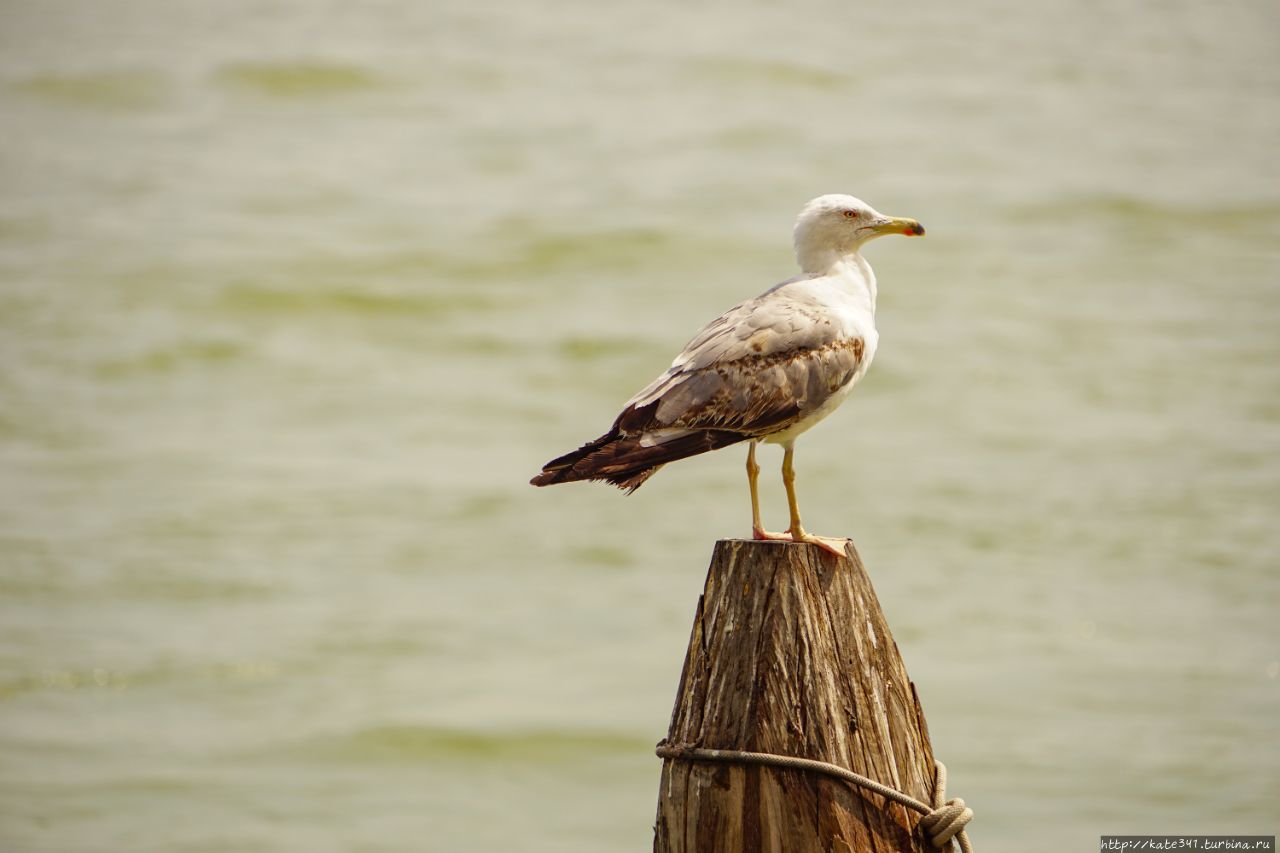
(798, 533)
(753, 476)
(789, 481)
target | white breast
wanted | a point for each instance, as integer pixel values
(787, 436)
(849, 297)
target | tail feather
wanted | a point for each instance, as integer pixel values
(626, 463)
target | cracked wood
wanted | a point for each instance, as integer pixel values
(790, 654)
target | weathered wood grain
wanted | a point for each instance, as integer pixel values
(790, 654)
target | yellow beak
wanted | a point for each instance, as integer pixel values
(897, 225)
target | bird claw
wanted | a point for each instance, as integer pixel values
(830, 544)
(761, 534)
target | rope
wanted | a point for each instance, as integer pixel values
(944, 821)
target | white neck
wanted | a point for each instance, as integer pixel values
(849, 271)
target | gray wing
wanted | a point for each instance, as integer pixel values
(754, 370)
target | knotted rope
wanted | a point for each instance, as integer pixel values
(944, 821)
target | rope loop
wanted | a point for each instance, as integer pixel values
(949, 817)
(943, 823)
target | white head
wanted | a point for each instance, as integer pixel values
(832, 227)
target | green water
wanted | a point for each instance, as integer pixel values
(295, 297)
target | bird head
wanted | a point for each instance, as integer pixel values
(834, 226)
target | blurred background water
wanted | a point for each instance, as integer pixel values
(297, 295)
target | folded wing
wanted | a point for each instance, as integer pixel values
(755, 370)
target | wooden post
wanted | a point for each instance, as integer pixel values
(790, 654)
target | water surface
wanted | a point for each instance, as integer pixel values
(296, 297)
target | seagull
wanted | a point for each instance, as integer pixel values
(767, 369)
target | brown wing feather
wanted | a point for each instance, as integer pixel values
(625, 461)
(708, 408)
(754, 395)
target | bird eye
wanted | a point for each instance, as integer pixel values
(849, 214)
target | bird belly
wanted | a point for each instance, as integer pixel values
(829, 405)
(811, 419)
